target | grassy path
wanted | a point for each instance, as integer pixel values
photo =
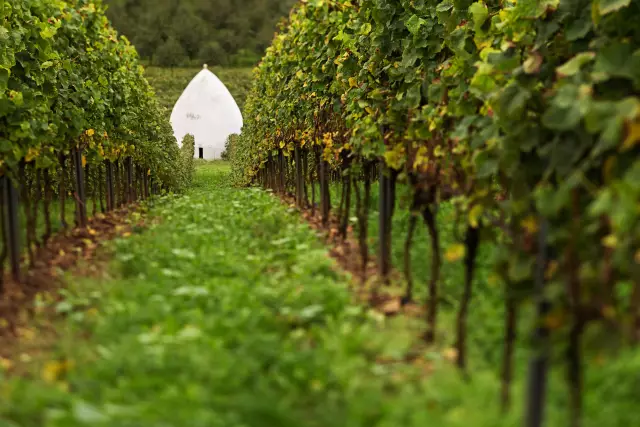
(226, 313)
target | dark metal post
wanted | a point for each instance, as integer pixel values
(11, 226)
(384, 220)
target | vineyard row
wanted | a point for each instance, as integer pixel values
(78, 121)
(522, 115)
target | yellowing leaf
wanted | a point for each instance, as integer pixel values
(455, 252)
(633, 136)
(474, 215)
(353, 82)
(551, 269)
(53, 370)
(84, 161)
(610, 241)
(554, 320)
(450, 354)
(90, 132)
(31, 154)
(532, 64)
(530, 224)
(608, 312)
(5, 364)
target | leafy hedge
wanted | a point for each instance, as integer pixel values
(67, 81)
(525, 115)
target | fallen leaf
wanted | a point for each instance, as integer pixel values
(455, 252)
(5, 364)
(391, 306)
(450, 354)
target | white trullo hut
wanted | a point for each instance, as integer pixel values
(207, 111)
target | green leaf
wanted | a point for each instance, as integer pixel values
(573, 66)
(88, 414)
(444, 6)
(609, 6)
(414, 23)
(48, 32)
(561, 118)
(479, 13)
(580, 27)
(616, 59)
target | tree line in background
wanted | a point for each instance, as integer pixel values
(182, 32)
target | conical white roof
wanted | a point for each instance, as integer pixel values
(207, 111)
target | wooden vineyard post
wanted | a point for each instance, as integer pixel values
(109, 182)
(267, 169)
(281, 172)
(299, 191)
(125, 183)
(129, 170)
(81, 206)
(145, 182)
(11, 225)
(325, 196)
(305, 176)
(62, 191)
(538, 365)
(346, 188)
(141, 180)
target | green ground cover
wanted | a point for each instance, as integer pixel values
(228, 312)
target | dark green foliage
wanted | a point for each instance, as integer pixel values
(170, 53)
(218, 32)
(169, 84)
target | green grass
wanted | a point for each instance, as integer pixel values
(169, 83)
(228, 312)
(221, 166)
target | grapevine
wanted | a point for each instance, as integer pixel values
(77, 120)
(523, 115)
